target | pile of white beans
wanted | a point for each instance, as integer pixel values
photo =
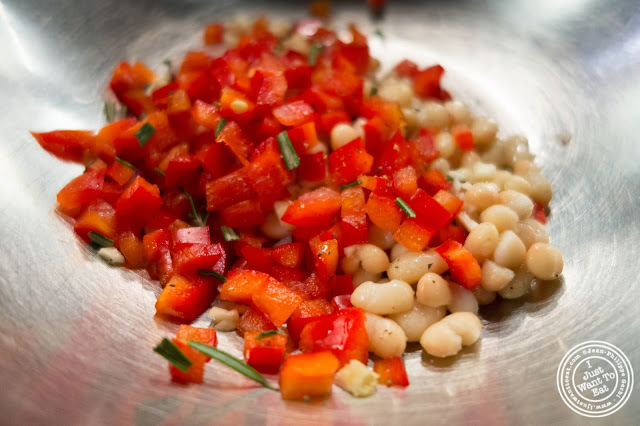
(407, 296)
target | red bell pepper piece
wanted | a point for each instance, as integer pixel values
(462, 136)
(464, 268)
(426, 83)
(353, 217)
(325, 256)
(253, 320)
(181, 171)
(413, 235)
(328, 120)
(290, 255)
(206, 115)
(82, 190)
(191, 259)
(228, 98)
(384, 212)
(186, 237)
(342, 301)
(449, 201)
(258, 258)
(139, 201)
(213, 33)
(276, 301)
(233, 136)
(270, 87)
(307, 375)
(406, 68)
(311, 288)
(450, 232)
(343, 333)
(539, 213)
(268, 174)
(243, 214)
(228, 190)
(100, 217)
(208, 336)
(405, 182)
(69, 145)
(133, 250)
(160, 96)
(157, 247)
(313, 167)
(186, 298)
(242, 284)
(303, 137)
(308, 311)
(433, 181)
(391, 372)
(429, 213)
(103, 145)
(315, 208)
(348, 162)
(294, 113)
(287, 275)
(195, 373)
(120, 173)
(264, 353)
(341, 285)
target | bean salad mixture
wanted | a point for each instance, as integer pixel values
(325, 214)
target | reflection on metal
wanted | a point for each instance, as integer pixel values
(83, 332)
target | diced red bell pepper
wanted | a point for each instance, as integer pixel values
(425, 145)
(429, 213)
(195, 373)
(276, 301)
(243, 214)
(464, 268)
(307, 375)
(406, 68)
(313, 209)
(181, 171)
(462, 136)
(348, 162)
(264, 353)
(139, 201)
(391, 372)
(389, 112)
(343, 333)
(185, 298)
(433, 181)
(205, 114)
(268, 174)
(270, 87)
(303, 137)
(341, 285)
(258, 258)
(214, 157)
(191, 259)
(81, 190)
(69, 145)
(322, 102)
(103, 144)
(384, 212)
(253, 320)
(233, 136)
(342, 301)
(213, 33)
(160, 96)
(157, 247)
(208, 336)
(100, 217)
(186, 237)
(450, 232)
(313, 167)
(330, 119)
(242, 284)
(353, 216)
(413, 235)
(290, 255)
(133, 250)
(287, 275)
(294, 113)
(307, 312)
(405, 182)
(229, 189)
(539, 213)
(228, 101)
(397, 154)
(311, 288)
(449, 201)
(426, 83)
(325, 255)
(120, 173)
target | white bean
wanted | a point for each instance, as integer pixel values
(441, 165)
(482, 241)
(447, 336)
(484, 297)
(342, 134)
(544, 261)
(433, 114)
(415, 321)
(525, 233)
(445, 144)
(483, 172)
(501, 177)
(484, 131)
(396, 90)
(462, 300)
(519, 285)
(501, 216)
(368, 256)
(380, 237)
(495, 277)
(411, 266)
(539, 230)
(518, 202)
(458, 112)
(398, 250)
(518, 183)
(361, 276)
(386, 338)
(541, 190)
(279, 207)
(510, 251)
(274, 228)
(433, 290)
(383, 299)
(465, 219)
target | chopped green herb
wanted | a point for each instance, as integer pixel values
(114, 111)
(232, 362)
(350, 185)
(173, 354)
(208, 273)
(267, 334)
(167, 62)
(314, 51)
(405, 207)
(89, 164)
(100, 239)
(229, 234)
(124, 163)
(144, 134)
(289, 155)
(450, 178)
(374, 91)
(221, 125)
(379, 33)
(198, 219)
(160, 172)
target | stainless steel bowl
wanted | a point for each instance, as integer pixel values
(76, 335)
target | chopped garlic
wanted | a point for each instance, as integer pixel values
(239, 107)
(224, 319)
(357, 379)
(111, 255)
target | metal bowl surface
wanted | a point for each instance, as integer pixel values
(76, 336)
